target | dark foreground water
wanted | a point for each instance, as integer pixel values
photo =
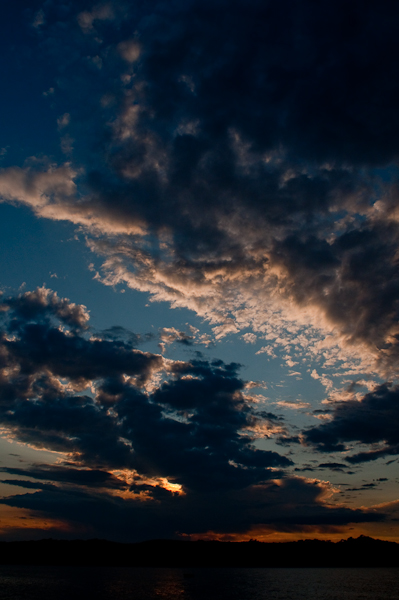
(73, 583)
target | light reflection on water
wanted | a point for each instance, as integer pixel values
(76, 583)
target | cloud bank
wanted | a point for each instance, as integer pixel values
(240, 160)
(139, 435)
(236, 152)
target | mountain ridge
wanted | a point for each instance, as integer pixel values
(352, 552)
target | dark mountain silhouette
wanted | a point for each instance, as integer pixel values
(360, 552)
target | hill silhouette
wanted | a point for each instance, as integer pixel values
(360, 552)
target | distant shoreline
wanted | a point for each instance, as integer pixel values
(359, 552)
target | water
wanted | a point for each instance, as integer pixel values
(75, 583)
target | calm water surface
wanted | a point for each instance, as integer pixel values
(75, 583)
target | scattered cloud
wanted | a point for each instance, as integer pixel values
(239, 160)
(372, 421)
(188, 442)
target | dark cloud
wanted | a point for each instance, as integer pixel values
(26, 484)
(373, 420)
(207, 444)
(117, 332)
(233, 143)
(169, 335)
(333, 466)
(232, 116)
(194, 427)
(170, 456)
(63, 474)
(314, 78)
(41, 345)
(293, 506)
(363, 487)
(41, 305)
(220, 149)
(355, 280)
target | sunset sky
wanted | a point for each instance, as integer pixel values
(199, 240)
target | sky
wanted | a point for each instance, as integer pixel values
(199, 218)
